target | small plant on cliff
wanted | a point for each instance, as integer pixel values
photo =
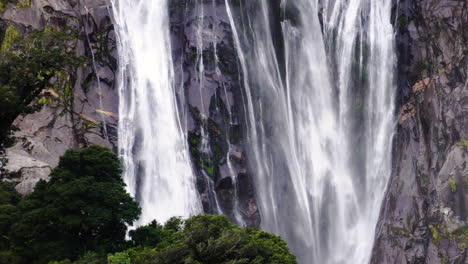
(463, 143)
(453, 184)
(23, 4)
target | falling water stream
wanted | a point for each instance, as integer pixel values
(318, 89)
(320, 120)
(152, 141)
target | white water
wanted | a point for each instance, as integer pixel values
(152, 141)
(319, 111)
(320, 121)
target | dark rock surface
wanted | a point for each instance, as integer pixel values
(206, 68)
(43, 136)
(424, 215)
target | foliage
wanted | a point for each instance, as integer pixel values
(206, 239)
(28, 65)
(463, 143)
(11, 35)
(24, 4)
(84, 207)
(453, 184)
(88, 258)
(148, 235)
(120, 258)
(9, 198)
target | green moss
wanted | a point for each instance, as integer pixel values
(217, 151)
(24, 4)
(402, 22)
(461, 236)
(11, 34)
(435, 233)
(88, 124)
(399, 230)
(193, 140)
(45, 100)
(463, 143)
(453, 184)
(423, 179)
(209, 170)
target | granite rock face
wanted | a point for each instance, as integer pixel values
(424, 215)
(206, 68)
(89, 115)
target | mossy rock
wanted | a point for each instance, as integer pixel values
(11, 35)
(24, 4)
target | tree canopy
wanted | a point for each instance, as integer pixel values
(204, 239)
(83, 207)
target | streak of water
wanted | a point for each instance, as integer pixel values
(319, 105)
(152, 141)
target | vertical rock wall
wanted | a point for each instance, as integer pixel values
(425, 213)
(208, 75)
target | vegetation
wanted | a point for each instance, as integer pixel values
(24, 4)
(83, 207)
(453, 184)
(81, 215)
(459, 236)
(28, 65)
(204, 239)
(463, 143)
(11, 35)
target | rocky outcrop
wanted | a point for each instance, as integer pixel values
(86, 115)
(206, 67)
(424, 216)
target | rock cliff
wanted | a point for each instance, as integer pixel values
(206, 68)
(424, 215)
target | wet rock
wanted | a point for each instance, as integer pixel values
(206, 67)
(427, 192)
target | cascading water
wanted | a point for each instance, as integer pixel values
(319, 103)
(152, 141)
(318, 94)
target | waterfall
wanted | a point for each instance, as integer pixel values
(319, 100)
(318, 104)
(152, 141)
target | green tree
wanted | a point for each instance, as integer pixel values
(83, 207)
(9, 198)
(148, 235)
(206, 239)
